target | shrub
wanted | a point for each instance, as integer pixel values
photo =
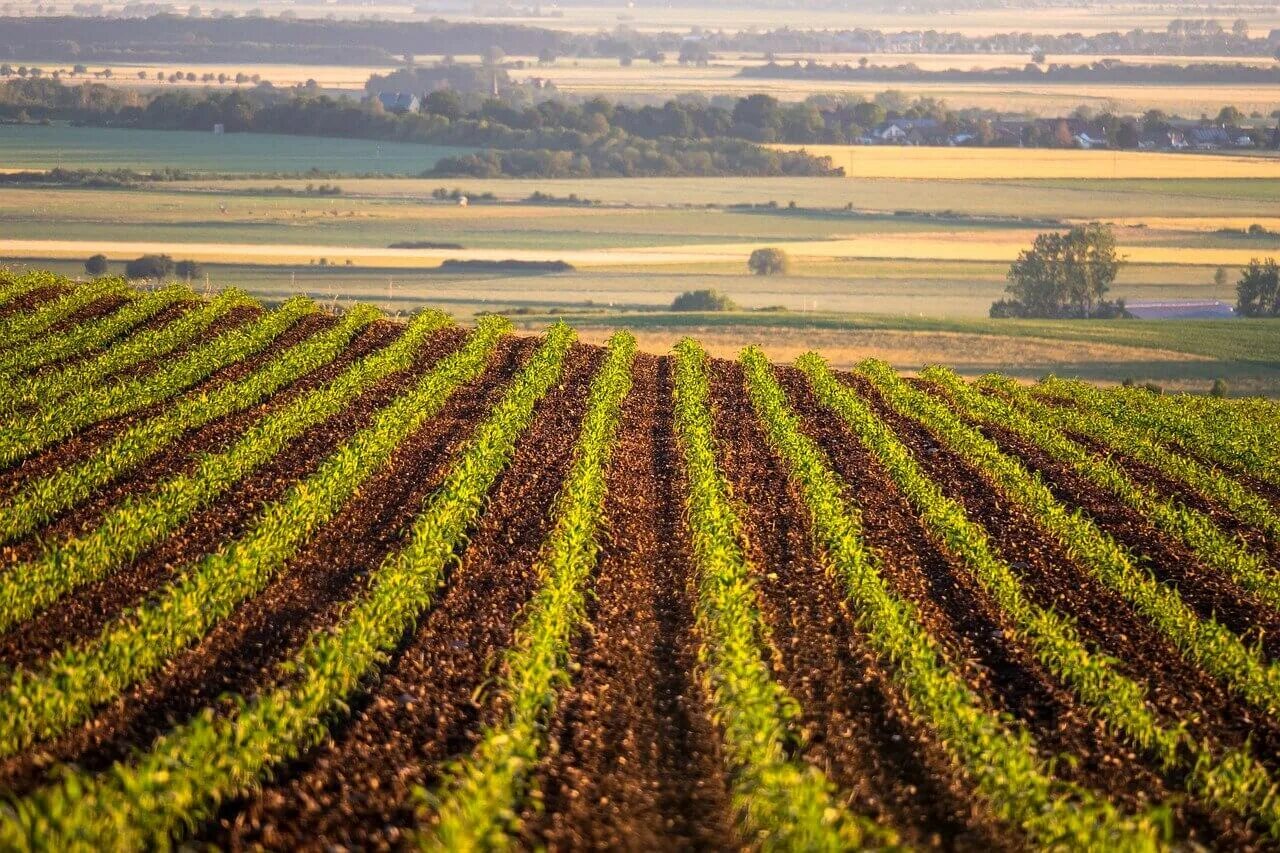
(150, 266)
(768, 262)
(1219, 388)
(96, 265)
(703, 300)
(188, 270)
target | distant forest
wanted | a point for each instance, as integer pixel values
(177, 38)
(552, 139)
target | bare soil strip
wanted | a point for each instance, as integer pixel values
(355, 791)
(238, 655)
(31, 300)
(83, 615)
(633, 763)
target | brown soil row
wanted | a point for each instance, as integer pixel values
(356, 790)
(92, 311)
(31, 300)
(1051, 579)
(82, 615)
(238, 655)
(181, 455)
(859, 730)
(633, 763)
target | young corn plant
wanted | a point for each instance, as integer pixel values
(42, 497)
(478, 802)
(1242, 444)
(1194, 529)
(45, 390)
(1245, 504)
(90, 336)
(15, 287)
(64, 689)
(1232, 779)
(20, 437)
(138, 522)
(1002, 761)
(782, 802)
(1203, 641)
(17, 329)
(150, 800)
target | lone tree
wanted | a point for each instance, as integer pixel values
(1064, 276)
(703, 300)
(187, 270)
(769, 262)
(1258, 290)
(150, 266)
(96, 265)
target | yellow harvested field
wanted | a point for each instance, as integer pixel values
(1001, 247)
(908, 350)
(985, 164)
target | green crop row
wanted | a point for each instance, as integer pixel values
(21, 327)
(181, 779)
(1002, 761)
(1241, 443)
(127, 528)
(784, 803)
(1202, 641)
(45, 390)
(138, 522)
(21, 437)
(1233, 780)
(63, 690)
(16, 286)
(1243, 503)
(1196, 530)
(89, 336)
(41, 497)
(477, 805)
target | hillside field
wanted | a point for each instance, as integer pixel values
(285, 577)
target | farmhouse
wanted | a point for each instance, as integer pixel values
(399, 102)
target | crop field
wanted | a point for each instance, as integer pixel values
(285, 578)
(60, 145)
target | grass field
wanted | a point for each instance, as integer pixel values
(279, 578)
(41, 147)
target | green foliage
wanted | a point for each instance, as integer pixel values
(1003, 762)
(66, 687)
(1203, 641)
(150, 266)
(788, 804)
(186, 773)
(1064, 275)
(20, 437)
(703, 300)
(90, 336)
(45, 390)
(769, 262)
(24, 326)
(1258, 290)
(480, 796)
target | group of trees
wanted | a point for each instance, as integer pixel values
(1064, 276)
(1258, 290)
(155, 267)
